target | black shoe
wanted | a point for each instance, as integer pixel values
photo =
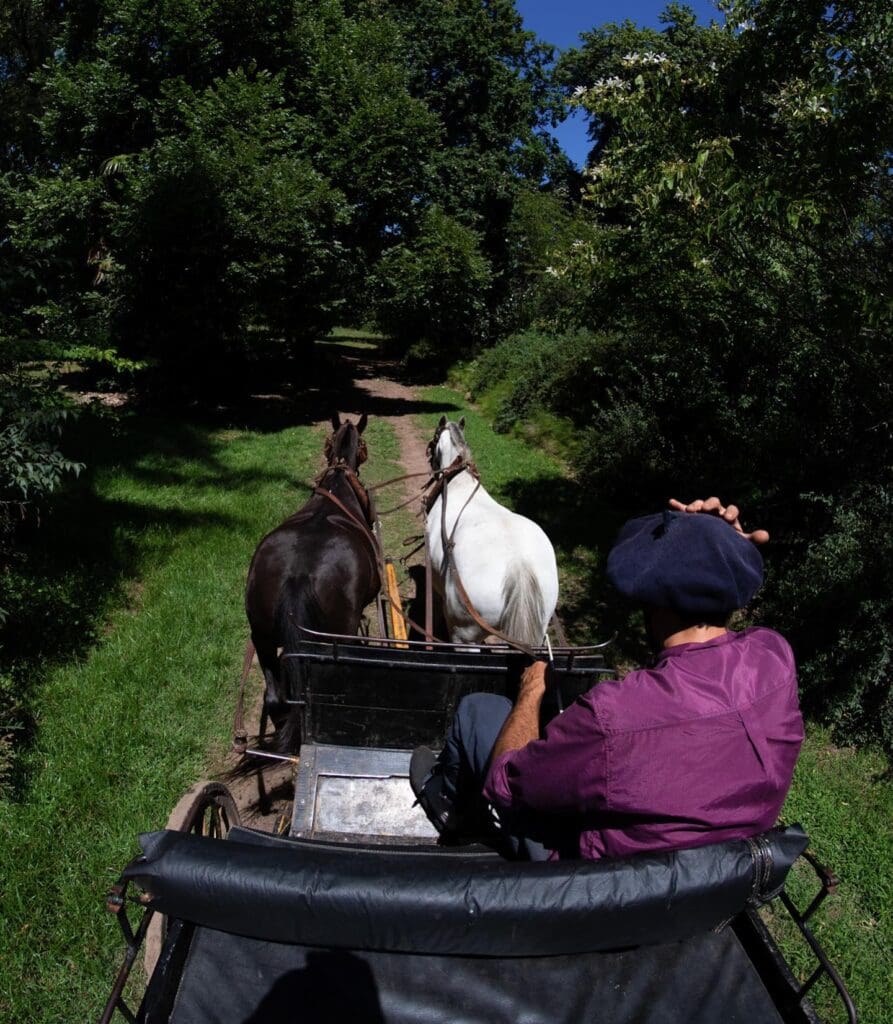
(428, 785)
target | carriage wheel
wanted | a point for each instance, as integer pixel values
(207, 809)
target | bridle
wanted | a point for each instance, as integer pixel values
(441, 476)
(431, 453)
(341, 465)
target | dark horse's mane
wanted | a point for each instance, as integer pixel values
(318, 569)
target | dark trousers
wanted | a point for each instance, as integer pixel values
(466, 757)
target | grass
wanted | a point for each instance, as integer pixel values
(347, 337)
(126, 721)
(384, 464)
(844, 799)
(122, 730)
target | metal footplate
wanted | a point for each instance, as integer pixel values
(357, 793)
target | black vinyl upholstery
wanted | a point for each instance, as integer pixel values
(342, 897)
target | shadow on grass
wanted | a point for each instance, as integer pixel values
(86, 552)
(270, 395)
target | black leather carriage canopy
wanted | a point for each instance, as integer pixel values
(405, 900)
(230, 979)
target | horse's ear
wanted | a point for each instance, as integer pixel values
(462, 423)
(361, 426)
(442, 423)
(336, 421)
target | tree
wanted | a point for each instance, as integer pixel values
(488, 82)
(742, 190)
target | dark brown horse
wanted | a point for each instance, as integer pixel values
(318, 569)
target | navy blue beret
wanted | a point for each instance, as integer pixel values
(694, 563)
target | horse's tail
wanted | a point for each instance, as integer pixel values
(298, 606)
(523, 616)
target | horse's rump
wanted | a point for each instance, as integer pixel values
(298, 605)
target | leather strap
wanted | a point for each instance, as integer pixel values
(240, 737)
(429, 597)
(354, 518)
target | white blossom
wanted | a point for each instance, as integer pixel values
(649, 57)
(595, 171)
(611, 83)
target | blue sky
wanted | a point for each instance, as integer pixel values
(561, 21)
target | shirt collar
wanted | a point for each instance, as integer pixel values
(680, 649)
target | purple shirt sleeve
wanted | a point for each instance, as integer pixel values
(565, 772)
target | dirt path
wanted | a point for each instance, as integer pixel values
(264, 796)
(378, 380)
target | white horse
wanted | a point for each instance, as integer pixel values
(505, 563)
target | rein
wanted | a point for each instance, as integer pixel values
(398, 479)
(362, 494)
(432, 478)
(443, 476)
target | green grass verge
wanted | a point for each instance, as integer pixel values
(125, 729)
(384, 464)
(348, 337)
(844, 799)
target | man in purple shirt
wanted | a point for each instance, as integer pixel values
(697, 748)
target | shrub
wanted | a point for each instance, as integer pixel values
(541, 370)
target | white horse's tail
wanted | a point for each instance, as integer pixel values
(523, 615)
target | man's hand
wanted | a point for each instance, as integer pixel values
(727, 512)
(533, 681)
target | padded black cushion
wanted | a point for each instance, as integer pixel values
(402, 901)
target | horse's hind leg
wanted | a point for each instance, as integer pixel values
(284, 716)
(275, 707)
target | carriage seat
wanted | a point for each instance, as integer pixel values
(317, 894)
